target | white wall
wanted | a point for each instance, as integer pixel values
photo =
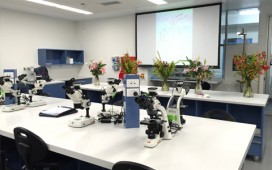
(106, 38)
(21, 34)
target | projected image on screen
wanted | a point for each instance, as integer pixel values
(174, 33)
(177, 34)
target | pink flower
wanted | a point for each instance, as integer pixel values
(205, 67)
(187, 70)
(94, 66)
(103, 70)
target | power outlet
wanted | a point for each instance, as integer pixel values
(133, 83)
(130, 92)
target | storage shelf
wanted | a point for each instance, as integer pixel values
(60, 56)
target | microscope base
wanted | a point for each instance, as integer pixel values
(12, 107)
(151, 143)
(81, 122)
(37, 103)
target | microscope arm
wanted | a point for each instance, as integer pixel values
(166, 128)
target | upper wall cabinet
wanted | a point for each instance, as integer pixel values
(59, 56)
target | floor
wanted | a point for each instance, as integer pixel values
(266, 162)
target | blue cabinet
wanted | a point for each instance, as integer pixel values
(59, 56)
(56, 90)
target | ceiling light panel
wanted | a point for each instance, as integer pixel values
(64, 7)
(158, 2)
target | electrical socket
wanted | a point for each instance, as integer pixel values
(133, 83)
(130, 92)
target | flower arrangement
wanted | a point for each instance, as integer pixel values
(164, 70)
(200, 71)
(250, 68)
(97, 68)
(129, 65)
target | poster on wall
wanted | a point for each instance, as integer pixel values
(115, 63)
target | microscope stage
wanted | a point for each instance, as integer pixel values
(12, 107)
(151, 143)
(81, 121)
(36, 103)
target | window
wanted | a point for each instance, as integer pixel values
(247, 19)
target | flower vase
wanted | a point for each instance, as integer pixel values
(96, 80)
(165, 86)
(248, 89)
(198, 88)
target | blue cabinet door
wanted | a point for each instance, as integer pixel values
(55, 90)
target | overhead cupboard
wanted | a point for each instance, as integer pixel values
(60, 56)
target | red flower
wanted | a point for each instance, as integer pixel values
(251, 67)
(265, 67)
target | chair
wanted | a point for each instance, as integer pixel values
(42, 71)
(7, 147)
(205, 85)
(126, 165)
(219, 114)
(34, 151)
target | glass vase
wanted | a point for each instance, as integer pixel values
(165, 86)
(248, 89)
(96, 80)
(198, 88)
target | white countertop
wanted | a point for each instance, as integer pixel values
(213, 81)
(62, 80)
(98, 87)
(54, 82)
(229, 97)
(214, 96)
(120, 88)
(204, 144)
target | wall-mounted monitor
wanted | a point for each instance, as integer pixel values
(179, 33)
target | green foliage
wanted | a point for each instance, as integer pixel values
(163, 69)
(129, 65)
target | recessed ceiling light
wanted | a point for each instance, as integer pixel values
(249, 11)
(60, 6)
(158, 2)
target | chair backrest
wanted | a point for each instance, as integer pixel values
(205, 85)
(219, 114)
(42, 71)
(30, 146)
(126, 165)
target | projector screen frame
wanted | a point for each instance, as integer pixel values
(183, 8)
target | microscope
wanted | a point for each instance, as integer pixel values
(175, 106)
(108, 94)
(80, 101)
(157, 125)
(36, 86)
(6, 86)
